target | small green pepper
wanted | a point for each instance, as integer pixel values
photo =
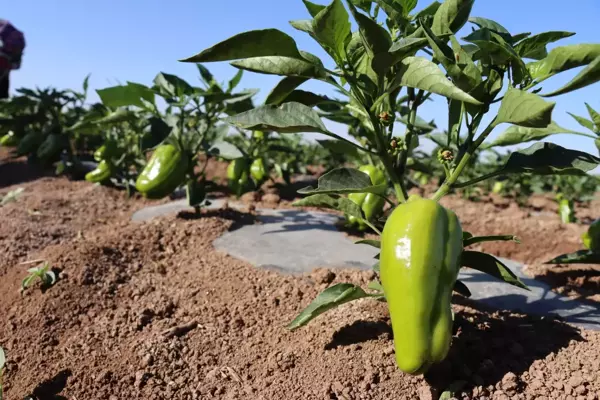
(370, 203)
(50, 148)
(591, 238)
(165, 171)
(29, 143)
(257, 171)
(101, 174)
(237, 175)
(9, 140)
(421, 246)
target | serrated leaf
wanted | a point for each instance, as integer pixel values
(550, 159)
(451, 16)
(492, 266)
(588, 76)
(343, 181)
(283, 89)
(586, 123)
(420, 73)
(259, 43)
(331, 297)
(277, 65)
(525, 109)
(331, 27)
(518, 134)
(535, 46)
(578, 257)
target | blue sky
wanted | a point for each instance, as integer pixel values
(133, 40)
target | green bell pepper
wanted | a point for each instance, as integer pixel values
(50, 147)
(9, 140)
(29, 143)
(165, 171)
(237, 175)
(258, 171)
(421, 246)
(591, 238)
(101, 174)
(370, 203)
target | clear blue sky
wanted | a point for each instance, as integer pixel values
(133, 40)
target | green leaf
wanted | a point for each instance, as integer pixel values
(331, 27)
(550, 159)
(375, 38)
(125, 95)
(564, 58)
(303, 25)
(430, 10)
(277, 65)
(331, 297)
(586, 123)
(492, 266)
(225, 150)
(518, 134)
(172, 85)
(461, 288)
(205, 74)
(451, 16)
(399, 50)
(342, 204)
(535, 46)
(339, 147)
(233, 82)
(313, 9)
(594, 115)
(259, 43)
(420, 73)
(469, 241)
(343, 180)
(117, 116)
(373, 243)
(578, 257)
(489, 24)
(407, 6)
(283, 89)
(588, 76)
(307, 98)
(524, 109)
(290, 117)
(376, 285)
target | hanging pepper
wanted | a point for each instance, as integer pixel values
(237, 175)
(257, 171)
(29, 143)
(50, 148)
(165, 171)
(9, 140)
(421, 246)
(101, 174)
(591, 238)
(106, 151)
(370, 203)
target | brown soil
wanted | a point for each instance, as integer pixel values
(152, 311)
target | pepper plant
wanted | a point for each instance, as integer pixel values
(400, 64)
(43, 273)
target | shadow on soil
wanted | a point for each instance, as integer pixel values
(239, 218)
(584, 282)
(50, 389)
(359, 332)
(14, 172)
(490, 344)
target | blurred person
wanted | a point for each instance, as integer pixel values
(12, 44)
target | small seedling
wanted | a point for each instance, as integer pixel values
(13, 195)
(2, 362)
(43, 272)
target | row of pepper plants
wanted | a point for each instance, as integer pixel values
(394, 62)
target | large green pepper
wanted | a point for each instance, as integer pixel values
(257, 170)
(9, 140)
(102, 173)
(370, 203)
(237, 175)
(29, 143)
(591, 238)
(50, 147)
(165, 171)
(421, 246)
